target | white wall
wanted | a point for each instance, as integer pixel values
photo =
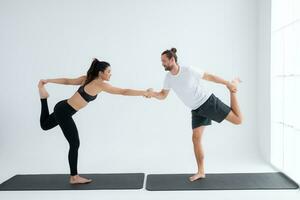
(50, 39)
(278, 79)
(285, 82)
(263, 77)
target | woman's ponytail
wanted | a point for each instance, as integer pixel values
(94, 69)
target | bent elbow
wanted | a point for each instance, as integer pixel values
(162, 96)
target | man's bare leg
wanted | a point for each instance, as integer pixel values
(235, 115)
(199, 153)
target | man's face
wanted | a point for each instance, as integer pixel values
(167, 63)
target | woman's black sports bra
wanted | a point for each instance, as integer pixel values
(85, 95)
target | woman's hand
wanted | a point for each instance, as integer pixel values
(44, 81)
(149, 93)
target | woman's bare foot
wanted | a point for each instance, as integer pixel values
(79, 180)
(197, 176)
(42, 90)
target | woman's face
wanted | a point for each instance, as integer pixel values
(106, 74)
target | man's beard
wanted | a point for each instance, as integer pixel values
(167, 68)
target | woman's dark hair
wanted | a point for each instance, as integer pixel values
(94, 69)
(170, 53)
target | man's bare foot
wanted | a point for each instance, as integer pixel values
(236, 81)
(197, 176)
(79, 180)
(233, 85)
(42, 90)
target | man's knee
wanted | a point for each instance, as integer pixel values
(197, 134)
(238, 121)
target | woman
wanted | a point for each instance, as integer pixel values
(91, 85)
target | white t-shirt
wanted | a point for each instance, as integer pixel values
(188, 86)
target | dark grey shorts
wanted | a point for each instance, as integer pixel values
(212, 109)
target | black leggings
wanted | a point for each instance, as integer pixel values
(62, 116)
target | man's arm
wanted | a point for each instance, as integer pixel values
(159, 95)
(216, 79)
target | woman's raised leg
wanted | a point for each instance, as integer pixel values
(46, 121)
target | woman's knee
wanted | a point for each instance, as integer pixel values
(44, 126)
(75, 144)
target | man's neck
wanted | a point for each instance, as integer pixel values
(175, 69)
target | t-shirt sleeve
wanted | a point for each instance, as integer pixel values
(166, 84)
(197, 71)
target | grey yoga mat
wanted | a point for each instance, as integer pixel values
(61, 182)
(229, 181)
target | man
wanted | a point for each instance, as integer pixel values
(187, 83)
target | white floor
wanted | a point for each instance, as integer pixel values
(253, 166)
(142, 194)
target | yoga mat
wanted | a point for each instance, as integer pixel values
(228, 181)
(61, 182)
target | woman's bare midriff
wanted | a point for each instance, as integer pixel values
(77, 102)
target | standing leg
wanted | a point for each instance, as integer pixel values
(199, 153)
(235, 115)
(70, 132)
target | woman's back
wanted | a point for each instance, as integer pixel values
(84, 94)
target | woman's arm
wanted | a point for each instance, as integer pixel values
(67, 81)
(57, 81)
(158, 95)
(127, 92)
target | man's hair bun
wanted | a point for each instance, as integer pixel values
(174, 50)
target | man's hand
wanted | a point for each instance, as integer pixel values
(158, 95)
(149, 93)
(232, 87)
